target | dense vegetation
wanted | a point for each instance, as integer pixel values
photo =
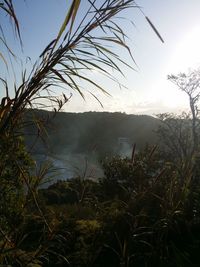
(141, 213)
(84, 132)
(144, 210)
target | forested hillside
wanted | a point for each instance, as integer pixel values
(87, 132)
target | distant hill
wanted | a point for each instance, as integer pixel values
(74, 143)
(81, 133)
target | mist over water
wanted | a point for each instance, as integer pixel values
(67, 166)
(77, 143)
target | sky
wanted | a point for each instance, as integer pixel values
(148, 90)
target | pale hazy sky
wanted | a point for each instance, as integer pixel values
(149, 92)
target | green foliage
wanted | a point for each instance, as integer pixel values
(15, 163)
(138, 214)
(90, 132)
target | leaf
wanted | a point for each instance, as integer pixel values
(96, 99)
(4, 60)
(48, 47)
(4, 42)
(76, 6)
(71, 15)
(10, 10)
(154, 29)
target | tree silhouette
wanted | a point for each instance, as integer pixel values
(190, 84)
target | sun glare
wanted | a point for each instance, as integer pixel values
(187, 53)
(185, 56)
